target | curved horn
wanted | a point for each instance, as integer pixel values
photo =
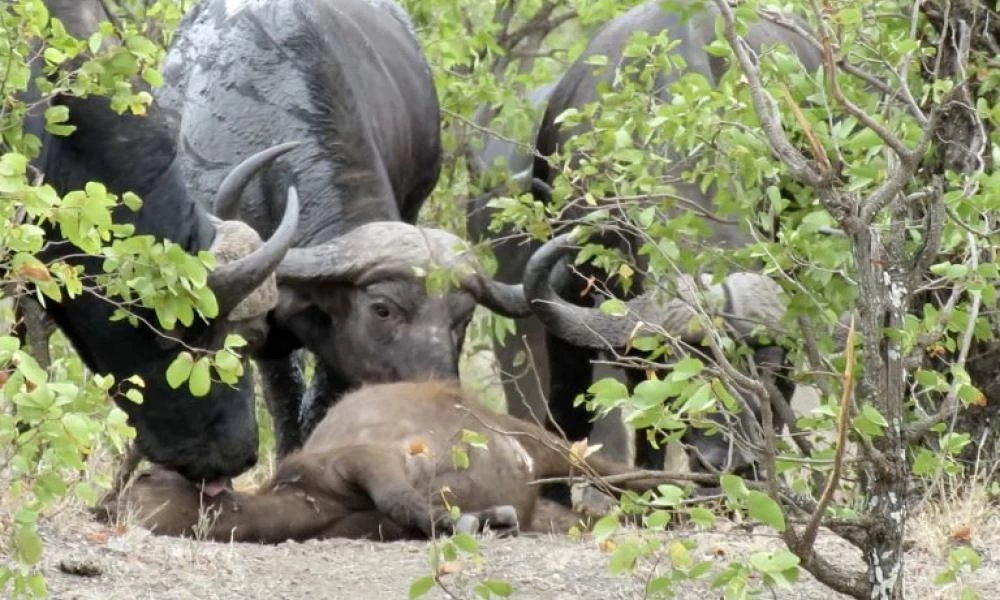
(227, 198)
(747, 300)
(234, 281)
(504, 299)
(578, 325)
(386, 249)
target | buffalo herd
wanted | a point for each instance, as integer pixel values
(298, 140)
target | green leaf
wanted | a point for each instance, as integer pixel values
(226, 361)
(200, 381)
(766, 510)
(623, 559)
(925, 463)
(701, 400)
(719, 48)
(57, 113)
(702, 517)
(234, 340)
(179, 370)
(613, 307)
(608, 388)
(774, 562)
(686, 369)
(420, 587)
(53, 55)
(152, 77)
(605, 527)
(29, 545)
(459, 457)
(36, 583)
(9, 344)
(78, 428)
(734, 487)
(466, 543)
(496, 587)
(658, 519)
(28, 367)
(94, 42)
(659, 587)
(653, 392)
(134, 396)
(474, 439)
(133, 202)
(668, 495)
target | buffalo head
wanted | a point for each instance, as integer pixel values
(746, 302)
(360, 303)
(212, 437)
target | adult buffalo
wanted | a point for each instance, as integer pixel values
(349, 79)
(205, 439)
(568, 357)
(527, 387)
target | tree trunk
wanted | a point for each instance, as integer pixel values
(883, 300)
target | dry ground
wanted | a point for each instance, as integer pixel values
(136, 565)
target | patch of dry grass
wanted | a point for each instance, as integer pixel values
(954, 512)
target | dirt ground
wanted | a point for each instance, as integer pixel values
(135, 564)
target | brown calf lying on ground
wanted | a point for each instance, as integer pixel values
(380, 465)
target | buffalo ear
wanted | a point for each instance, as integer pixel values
(292, 300)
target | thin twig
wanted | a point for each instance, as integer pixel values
(809, 535)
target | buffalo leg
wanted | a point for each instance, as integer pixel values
(34, 327)
(284, 386)
(322, 392)
(382, 476)
(646, 456)
(572, 372)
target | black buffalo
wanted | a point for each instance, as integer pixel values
(569, 346)
(349, 79)
(207, 438)
(527, 389)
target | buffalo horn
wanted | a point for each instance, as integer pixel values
(234, 281)
(230, 193)
(746, 300)
(387, 249)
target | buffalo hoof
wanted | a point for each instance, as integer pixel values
(592, 502)
(501, 519)
(467, 524)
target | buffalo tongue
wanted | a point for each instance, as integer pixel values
(215, 487)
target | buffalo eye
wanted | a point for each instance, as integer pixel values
(381, 310)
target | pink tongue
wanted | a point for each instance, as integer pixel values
(214, 488)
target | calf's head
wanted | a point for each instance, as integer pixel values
(362, 304)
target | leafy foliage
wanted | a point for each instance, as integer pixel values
(54, 417)
(853, 119)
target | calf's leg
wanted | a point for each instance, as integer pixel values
(381, 474)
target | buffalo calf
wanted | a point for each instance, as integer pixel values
(383, 464)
